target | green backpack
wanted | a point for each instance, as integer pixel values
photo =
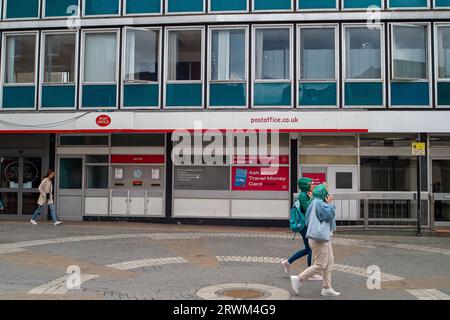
(297, 221)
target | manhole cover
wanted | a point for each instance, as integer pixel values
(243, 293)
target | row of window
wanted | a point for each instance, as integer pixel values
(230, 61)
(30, 9)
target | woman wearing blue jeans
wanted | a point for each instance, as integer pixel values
(46, 198)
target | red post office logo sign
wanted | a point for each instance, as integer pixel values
(103, 120)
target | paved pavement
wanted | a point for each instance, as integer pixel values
(105, 260)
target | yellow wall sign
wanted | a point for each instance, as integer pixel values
(419, 148)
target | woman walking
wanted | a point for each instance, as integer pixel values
(46, 198)
(305, 197)
(321, 222)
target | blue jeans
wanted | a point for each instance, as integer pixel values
(38, 211)
(306, 251)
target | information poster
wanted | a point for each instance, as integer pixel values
(318, 178)
(202, 178)
(260, 179)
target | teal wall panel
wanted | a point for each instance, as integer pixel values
(228, 5)
(407, 3)
(141, 95)
(185, 6)
(143, 6)
(316, 4)
(443, 93)
(272, 94)
(19, 97)
(317, 94)
(410, 93)
(101, 7)
(59, 8)
(16, 9)
(363, 94)
(184, 95)
(227, 95)
(442, 3)
(272, 4)
(354, 4)
(99, 96)
(58, 96)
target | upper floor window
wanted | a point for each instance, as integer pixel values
(228, 55)
(101, 7)
(443, 49)
(20, 9)
(184, 55)
(273, 54)
(59, 58)
(20, 62)
(61, 8)
(100, 57)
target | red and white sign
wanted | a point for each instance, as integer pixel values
(260, 179)
(146, 159)
(318, 178)
(103, 120)
(265, 160)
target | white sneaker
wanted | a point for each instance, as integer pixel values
(33, 222)
(330, 293)
(316, 277)
(286, 266)
(57, 223)
(296, 284)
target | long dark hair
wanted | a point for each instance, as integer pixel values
(49, 172)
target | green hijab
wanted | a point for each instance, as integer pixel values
(320, 192)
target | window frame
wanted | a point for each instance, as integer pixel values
(83, 14)
(383, 5)
(229, 11)
(436, 65)
(4, 8)
(3, 83)
(297, 7)
(167, 30)
(123, 82)
(125, 14)
(291, 67)
(381, 27)
(292, 9)
(166, 10)
(42, 66)
(336, 79)
(82, 82)
(209, 64)
(407, 8)
(45, 17)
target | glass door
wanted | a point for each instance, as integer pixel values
(441, 192)
(9, 185)
(70, 188)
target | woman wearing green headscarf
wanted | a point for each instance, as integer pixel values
(325, 214)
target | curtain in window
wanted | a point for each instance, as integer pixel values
(317, 54)
(272, 54)
(20, 59)
(444, 52)
(100, 57)
(141, 55)
(410, 52)
(363, 53)
(173, 55)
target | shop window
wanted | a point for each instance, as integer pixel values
(228, 5)
(137, 140)
(273, 60)
(442, 141)
(228, 68)
(202, 178)
(58, 89)
(328, 160)
(19, 71)
(184, 61)
(100, 70)
(97, 159)
(393, 140)
(101, 7)
(388, 174)
(179, 6)
(32, 173)
(18, 9)
(328, 141)
(61, 8)
(443, 51)
(97, 177)
(70, 173)
(410, 62)
(317, 85)
(83, 141)
(141, 88)
(344, 180)
(143, 6)
(408, 3)
(272, 5)
(363, 76)
(316, 4)
(10, 203)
